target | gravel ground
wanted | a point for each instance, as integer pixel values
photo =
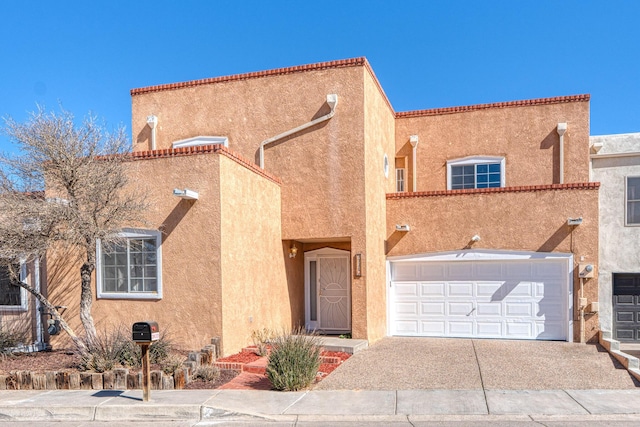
(462, 364)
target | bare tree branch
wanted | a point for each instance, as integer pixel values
(67, 184)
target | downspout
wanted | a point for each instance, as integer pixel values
(36, 278)
(562, 128)
(413, 139)
(332, 101)
(152, 121)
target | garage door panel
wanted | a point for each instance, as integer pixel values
(489, 329)
(432, 289)
(459, 270)
(492, 290)
(461, 328)
(518, 310)
(433, 309)
(407, 309)
(523, 299)
(406, 290)
(519, 330)
(433, 329)
(435, 271)
(456, 289)
(488, 309)
(517, 270)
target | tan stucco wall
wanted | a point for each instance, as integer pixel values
(525, 135)
(190, 308)
(379, 127)
(526, 221)
(323, 191)
(254, 281)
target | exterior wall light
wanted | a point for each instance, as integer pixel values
(574, 221)
(403, 227)
(293, 251)
(185, 194)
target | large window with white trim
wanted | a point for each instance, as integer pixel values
(475, 172)
(12, 296)
(632, 216)
(131, 267)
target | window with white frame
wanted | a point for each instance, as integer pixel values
(475, 172)
(130, 268)
(400, 182)
(12, 297)
(633, 201)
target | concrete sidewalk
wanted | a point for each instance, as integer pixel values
(203, 407)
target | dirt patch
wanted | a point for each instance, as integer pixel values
(225, 377)
(57, 360)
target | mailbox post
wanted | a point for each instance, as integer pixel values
(144, 333)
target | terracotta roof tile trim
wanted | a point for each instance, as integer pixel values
(467, 108)
(352, 62)
(203, 149)
(518, 189)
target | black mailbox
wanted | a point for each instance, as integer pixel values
(145, 331)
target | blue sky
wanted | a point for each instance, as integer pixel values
(87, 55)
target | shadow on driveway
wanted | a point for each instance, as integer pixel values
(395, 363)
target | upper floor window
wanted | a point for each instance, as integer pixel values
(475, 172)
(12, 297)
(131, 267)
(633, 201)
(400, 181)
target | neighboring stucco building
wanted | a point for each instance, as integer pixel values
(448, 222)
(615, 162)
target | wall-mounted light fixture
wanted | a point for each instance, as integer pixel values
(293, 251)
(574, 221)
(358, 265)
(403, 227)
(475, 238)
(185, 194)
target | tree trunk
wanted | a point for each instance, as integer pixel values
(86, 298)
(56, 316)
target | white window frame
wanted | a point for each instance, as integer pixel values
(401, 182)
(23, 293)
(626, 202)
(476, 160)
(201, 140)
(131, 234)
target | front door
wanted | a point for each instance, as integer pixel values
(626, 307)
(328, 290)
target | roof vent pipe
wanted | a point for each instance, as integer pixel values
(413, 139)
(152, 121)
(562, 128)
(332, 101)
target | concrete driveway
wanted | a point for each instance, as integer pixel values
(396, 363)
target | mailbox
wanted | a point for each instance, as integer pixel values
(145, 332)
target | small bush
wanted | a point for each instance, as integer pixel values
(261, 338)
(172, 364)
(9, 338)
(104, 353)
(205, 373)
(294, 361)
(116, 348)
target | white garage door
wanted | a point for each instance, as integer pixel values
(513, 299)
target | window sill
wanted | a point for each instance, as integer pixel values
(130, 296)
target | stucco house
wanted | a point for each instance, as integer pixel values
(299, 196)
(615, 161)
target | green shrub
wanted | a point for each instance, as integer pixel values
(294, 361)
(206, 373)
